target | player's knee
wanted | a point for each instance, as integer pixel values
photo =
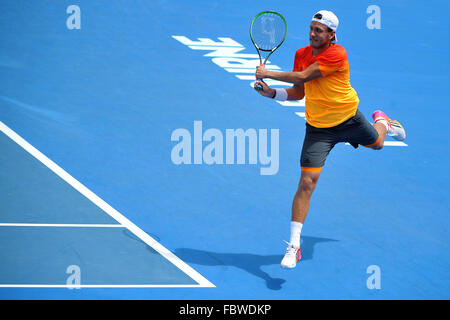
(307, 184)
(378, 146)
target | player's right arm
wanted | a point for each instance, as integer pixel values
(296, 92)
(295, 77)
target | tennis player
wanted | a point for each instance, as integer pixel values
(321, 74)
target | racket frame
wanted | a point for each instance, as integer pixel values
(258, 49)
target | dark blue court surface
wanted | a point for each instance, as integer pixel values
(90, 179)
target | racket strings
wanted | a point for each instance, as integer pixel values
(268, 31)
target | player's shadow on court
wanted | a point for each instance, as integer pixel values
(251, 263)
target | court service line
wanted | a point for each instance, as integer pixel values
(61, 225)
(391, 144)
(202, 281)
(74, 286)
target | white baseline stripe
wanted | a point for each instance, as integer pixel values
(395, 144)
(203, 282)
(61, 225)
(391, 144)
(98, 286)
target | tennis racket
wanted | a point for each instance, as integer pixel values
(267, 32)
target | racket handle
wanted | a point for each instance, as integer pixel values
(259, 87)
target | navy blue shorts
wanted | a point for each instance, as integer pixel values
(319, 141)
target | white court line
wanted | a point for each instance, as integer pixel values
(203, 282)
(395, 144)
(74, 286)
(391, 144)
(62, 225)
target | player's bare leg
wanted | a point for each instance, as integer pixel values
(300, 208)
(382, 131)
(306, 186)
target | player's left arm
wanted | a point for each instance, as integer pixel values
(295, 77)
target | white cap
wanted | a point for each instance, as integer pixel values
(328, 19)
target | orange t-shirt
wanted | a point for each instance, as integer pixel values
(330, 100)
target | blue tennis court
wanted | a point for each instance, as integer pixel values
(120, 177)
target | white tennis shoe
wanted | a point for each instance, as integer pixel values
(291, 257)
(395, 130)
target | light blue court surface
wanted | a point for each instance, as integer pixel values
(88, 178)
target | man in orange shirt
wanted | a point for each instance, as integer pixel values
(321, 74)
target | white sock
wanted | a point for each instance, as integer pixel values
(296, 229)
(383, 122)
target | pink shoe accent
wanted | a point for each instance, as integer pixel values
(380, 115)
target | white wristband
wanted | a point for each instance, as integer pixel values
(281, 94)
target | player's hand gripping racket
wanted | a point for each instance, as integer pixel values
(267, 32)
